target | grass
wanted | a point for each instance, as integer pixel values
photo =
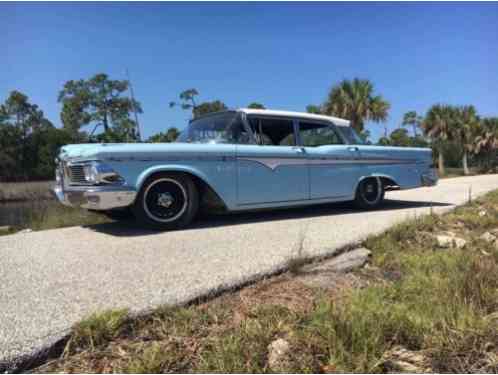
(23, 191)
(58, 216)
(442, 304)
(97, 329)
(49, 214)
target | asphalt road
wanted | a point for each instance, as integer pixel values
(51, 279)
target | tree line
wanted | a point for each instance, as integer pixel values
(453, 132)
(99, 109)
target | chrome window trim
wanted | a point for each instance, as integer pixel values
(275, 117)
(327, 124)
(296, 121)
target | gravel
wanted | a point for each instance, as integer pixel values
(52, 279)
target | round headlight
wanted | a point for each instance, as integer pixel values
(101, 173)
(91, 174)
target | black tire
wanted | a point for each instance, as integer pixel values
(166, 201)
(369, 193)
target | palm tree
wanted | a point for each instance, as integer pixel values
(487, 139)
(412, 119)
(465, 131)
(256, 105)
(312, 108)
(355, 101)
(438, 124)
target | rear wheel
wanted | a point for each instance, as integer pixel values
(167, 201)
(369, 193)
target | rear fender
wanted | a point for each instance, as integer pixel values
(386, 180)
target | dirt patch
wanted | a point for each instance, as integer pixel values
(284, 291)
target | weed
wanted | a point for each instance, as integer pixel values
(96, 330)
(155, 359)
(298, 259)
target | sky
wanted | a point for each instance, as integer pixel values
(284, 55)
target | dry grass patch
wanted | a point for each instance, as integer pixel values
(284, 291)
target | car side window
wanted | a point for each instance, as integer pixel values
(239, 134)
(273, 131)
(315, 134)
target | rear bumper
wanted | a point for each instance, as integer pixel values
(430, 178)
(95, 197)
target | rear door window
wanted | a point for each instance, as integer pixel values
(314, 134)
(273, 131)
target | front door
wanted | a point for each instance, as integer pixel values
(274, 170)
(333, 169)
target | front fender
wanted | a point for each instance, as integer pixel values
(169, 168)
(223, 184)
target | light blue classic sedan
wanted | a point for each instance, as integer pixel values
(238, 160)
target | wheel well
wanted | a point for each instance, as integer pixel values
(208, 198)
(389, 184)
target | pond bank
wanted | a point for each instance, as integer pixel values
(41, 214)
(32, 205)
(25, 191)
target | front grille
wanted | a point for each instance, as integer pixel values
(76, 175)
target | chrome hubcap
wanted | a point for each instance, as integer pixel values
(372, 190)
(165, 200)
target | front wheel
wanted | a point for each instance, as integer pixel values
(167, 201)
(369, 193)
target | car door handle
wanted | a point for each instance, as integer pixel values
(353, 149)
(299, 149)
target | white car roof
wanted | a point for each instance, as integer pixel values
(336, 120)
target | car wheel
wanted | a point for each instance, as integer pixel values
(167, 201)
(369, 193)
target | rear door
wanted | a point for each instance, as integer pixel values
(333, 165)
(274, 170)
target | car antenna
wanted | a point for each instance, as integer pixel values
(137, 124)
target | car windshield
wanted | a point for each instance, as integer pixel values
(217, 128)
(350, 135)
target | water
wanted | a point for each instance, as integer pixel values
(19, 213)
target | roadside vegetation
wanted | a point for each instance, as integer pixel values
(46, 214)
(417, 306)
(23, 191)
(99, 109)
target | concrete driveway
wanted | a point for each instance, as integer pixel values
(52, 279)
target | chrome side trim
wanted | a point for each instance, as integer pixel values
(311, 200)
(172, 158)
(274, 163)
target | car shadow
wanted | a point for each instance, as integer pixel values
(128, 228)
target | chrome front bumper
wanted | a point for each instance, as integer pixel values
(95, 197)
